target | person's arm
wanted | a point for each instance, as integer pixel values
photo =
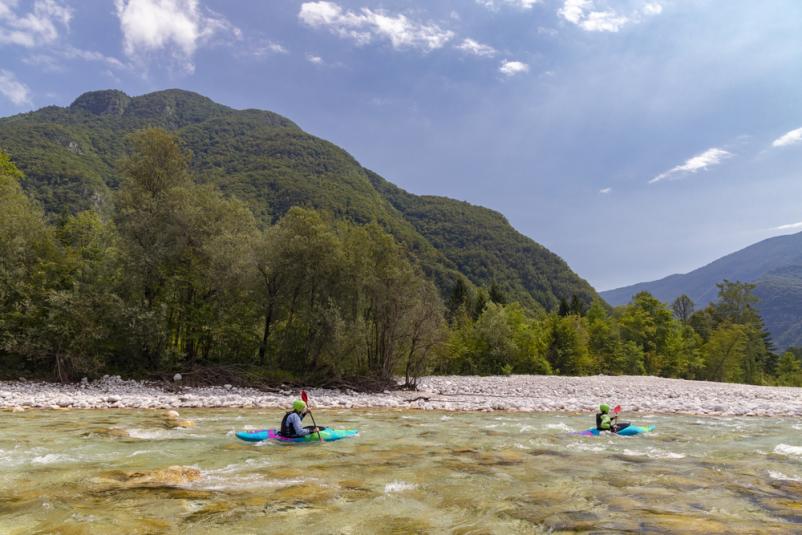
(297, 428)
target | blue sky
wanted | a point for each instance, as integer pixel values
(635, 138)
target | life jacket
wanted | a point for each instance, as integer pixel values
(605, 422)
(287, 430)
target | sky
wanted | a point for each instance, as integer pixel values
(634, 138)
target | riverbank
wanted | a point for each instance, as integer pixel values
(522, 393)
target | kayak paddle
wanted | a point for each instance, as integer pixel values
(306, 400)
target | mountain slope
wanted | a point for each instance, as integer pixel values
(69, 156)
(484, 247)
(774, 265)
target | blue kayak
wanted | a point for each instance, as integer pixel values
(630, 430)
(327, 434)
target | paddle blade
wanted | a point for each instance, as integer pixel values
(617, 409)
(306, 398)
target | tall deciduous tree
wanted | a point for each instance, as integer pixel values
(683, 308)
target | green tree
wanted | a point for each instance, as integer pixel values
(725, 352)
(789, 370)
(31, 268)
(683, 308)
(604, 341)
(647, 322)
(567, 351)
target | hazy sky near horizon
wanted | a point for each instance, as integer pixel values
(634, 138)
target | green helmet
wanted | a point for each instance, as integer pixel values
(604, 408)
(298, 405)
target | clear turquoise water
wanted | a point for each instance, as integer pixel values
(87, 472)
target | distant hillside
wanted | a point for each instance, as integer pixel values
(69, 156)
(774, 265)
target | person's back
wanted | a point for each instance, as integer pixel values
(603, 420)
(291, 424)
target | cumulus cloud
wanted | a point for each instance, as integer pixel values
(511, 68)
(311, 58)
(497, 4)
(367, 25)
(476, 48)
(710, 157)
(789, 138)
(178, 26)
(39, 26)
(790, 226)
(14, 90)
(605, 191)
(588, 16)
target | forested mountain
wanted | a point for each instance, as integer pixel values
(167, 233)
(70, 159)
(773, 265)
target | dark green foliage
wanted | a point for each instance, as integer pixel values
(182, 276)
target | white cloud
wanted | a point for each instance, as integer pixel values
(789, 226)
(652, 9)
(268, 48)
(713, 156)
(586, 15)
(179, 26)
(311, 58)
(366, 25)
(605, 191)
(476, 48)
(789, 138)
(71, 52)
(14, 90)
(39, 26)
(496, 4)
(511, 68)
(603, 21)
(53, 59)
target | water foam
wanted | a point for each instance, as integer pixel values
(398, 486)
(779, 476)
(52, 458)
(156, 434)
(654, 453)
(785, 449)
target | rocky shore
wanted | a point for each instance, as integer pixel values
(523, 393)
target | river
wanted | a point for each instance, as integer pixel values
(125, 472)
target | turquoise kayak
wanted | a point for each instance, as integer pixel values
(630, 430)
(327, 434)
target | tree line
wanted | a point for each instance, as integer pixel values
(177, 276)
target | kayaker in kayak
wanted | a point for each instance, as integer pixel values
(605, 422)
(291, 423)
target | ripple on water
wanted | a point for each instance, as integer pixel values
(158, 434)
(788, 450)
(559, 427)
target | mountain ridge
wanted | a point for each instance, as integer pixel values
(69, 156)
(774, 265)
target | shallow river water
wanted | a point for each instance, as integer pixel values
(121, 472)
